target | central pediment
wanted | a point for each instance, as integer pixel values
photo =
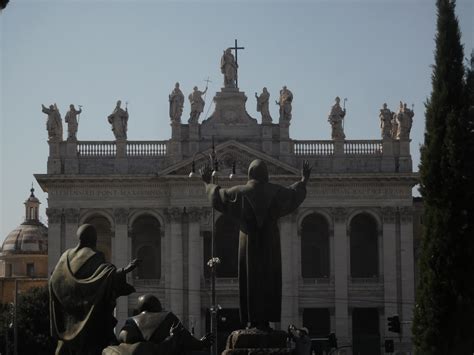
(227, 153)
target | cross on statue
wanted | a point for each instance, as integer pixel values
(236, 48)
(207, 81)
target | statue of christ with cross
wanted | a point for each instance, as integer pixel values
(229, 66)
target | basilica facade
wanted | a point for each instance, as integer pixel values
(347, 251)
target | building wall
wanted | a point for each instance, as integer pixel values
(7, 287)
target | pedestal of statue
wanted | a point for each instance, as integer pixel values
(255, 341)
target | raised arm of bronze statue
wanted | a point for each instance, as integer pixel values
(132, 265)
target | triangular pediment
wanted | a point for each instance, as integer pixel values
(227, 153)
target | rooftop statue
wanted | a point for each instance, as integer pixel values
(119, 121)
(71, 119)
(385, 122)
(336, 119)
(83, 290)
(155, 331)
(176, 99)
(229, 69)
(285, 102)
(405, 122)
(257, 206)
(197, 104)
(54, 124)
(262, 105)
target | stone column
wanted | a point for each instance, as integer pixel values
(389, 263)
(289, 312)
(407, 270)
(72, 220)
(121, 257)
(341, 275)
(54, 237)
(176, 282)
(194, 270)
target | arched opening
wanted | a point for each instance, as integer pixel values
(227, 247)
(364, 249)
(314, 246)
(146, 245)
(104, 235)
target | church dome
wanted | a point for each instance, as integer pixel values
(30, 237)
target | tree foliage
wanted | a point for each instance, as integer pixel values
(444, 312)
(32, 321)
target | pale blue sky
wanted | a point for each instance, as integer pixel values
(95, 52)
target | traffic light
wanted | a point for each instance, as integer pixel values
(389, 346)
(332, 340)
(394, 324)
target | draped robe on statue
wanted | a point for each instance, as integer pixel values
(83, 291)
(257, 206)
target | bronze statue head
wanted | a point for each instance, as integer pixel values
(258, 171)
(87, 236)
(148, 303)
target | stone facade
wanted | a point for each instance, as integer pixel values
(121, 181)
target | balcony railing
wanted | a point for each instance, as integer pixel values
(363, 147)
(314, 148)
(133, 148)
(146, 148)
(96, 149)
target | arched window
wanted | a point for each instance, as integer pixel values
(146, 245)
(314, 246)
(104, 234)
(227, 247)
(364, 249)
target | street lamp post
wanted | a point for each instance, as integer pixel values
(214, 261)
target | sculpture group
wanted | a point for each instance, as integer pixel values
(396, 125)
(393, 125)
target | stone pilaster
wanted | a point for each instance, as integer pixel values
(71, 164)
(121, 161)
(388, 159)
(289, 310)
(389, 263)
(121, 257)
(176, 282)
(72, 220)
(407, 270)
(54, 158)
(194, 270)
(54, 237)
(341, 275)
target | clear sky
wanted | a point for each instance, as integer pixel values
(95, 52)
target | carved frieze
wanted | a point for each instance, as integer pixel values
(100, 191)
(54, 215)
(121, 215)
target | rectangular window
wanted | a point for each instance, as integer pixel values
(30, 269)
